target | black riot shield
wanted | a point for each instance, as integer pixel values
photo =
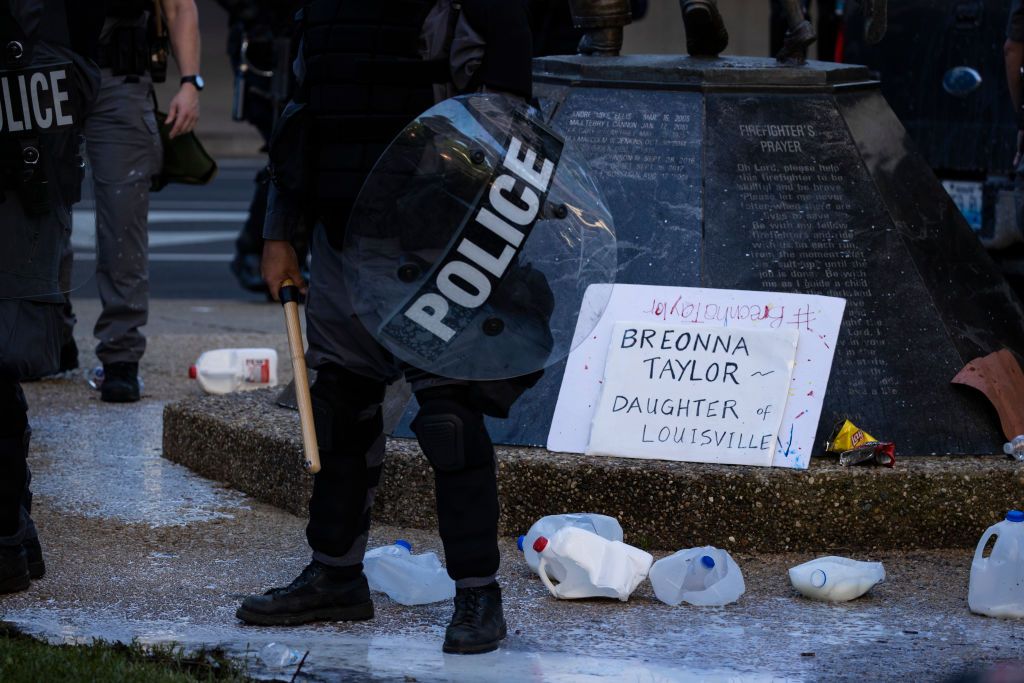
(473, 240)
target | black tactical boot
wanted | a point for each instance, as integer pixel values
(34, 557)
(14, 574)
(120, 383)
(705, 29)
(478, 624)
(320, 593)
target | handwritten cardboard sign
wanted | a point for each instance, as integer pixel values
(815, 318)
(694, 393)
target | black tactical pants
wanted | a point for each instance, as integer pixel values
(451, 432)
(15, 497)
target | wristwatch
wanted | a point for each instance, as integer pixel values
(195, 80)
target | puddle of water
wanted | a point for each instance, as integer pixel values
(340, 656)
(104, 461)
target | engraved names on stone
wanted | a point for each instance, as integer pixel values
(642, 145)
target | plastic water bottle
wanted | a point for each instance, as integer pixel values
(407, 579)
(602, 525)
(705, 577)
(836, 579)
(1015, 448)
(279, 655)
(590, 566)
(997, 581)
(222, 371)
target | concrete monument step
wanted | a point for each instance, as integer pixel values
(251, 444)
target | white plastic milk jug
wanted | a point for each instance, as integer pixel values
(591, 566)
(705, 577)
(997, 581)
(602, 525)
(407, 579)
(836, 579)
(222, 371)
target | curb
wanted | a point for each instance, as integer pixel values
(924, 502)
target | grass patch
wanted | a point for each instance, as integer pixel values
(24, 659)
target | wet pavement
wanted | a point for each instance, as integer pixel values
(140, 548)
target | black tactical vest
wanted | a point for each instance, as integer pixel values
(366, 82)
(46, 87)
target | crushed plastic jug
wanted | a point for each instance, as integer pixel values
(602, 525)
(705, 577)
(836, 579)
(590, 566)
(407, 579)
(997, 581)
(222, 371)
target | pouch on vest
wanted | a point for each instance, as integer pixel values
(449, 38)
(127, 53)
(159, 43)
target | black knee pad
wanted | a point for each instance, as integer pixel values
(346, 411)
(451, 430)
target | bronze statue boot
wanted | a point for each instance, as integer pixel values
(601, 41)
(876, 13)
(705, 30)
(794, 47)
(603, 21)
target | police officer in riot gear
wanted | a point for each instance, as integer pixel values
(44, 51)
(124, 150)
(361, 80)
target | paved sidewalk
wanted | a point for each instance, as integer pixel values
(138, 547)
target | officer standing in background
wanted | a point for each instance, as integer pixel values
(261, 47)
(362, 79)
(124, 150)
(45, 46)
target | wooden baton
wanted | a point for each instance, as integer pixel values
(290, 301)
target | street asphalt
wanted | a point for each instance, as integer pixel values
(140, 548)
